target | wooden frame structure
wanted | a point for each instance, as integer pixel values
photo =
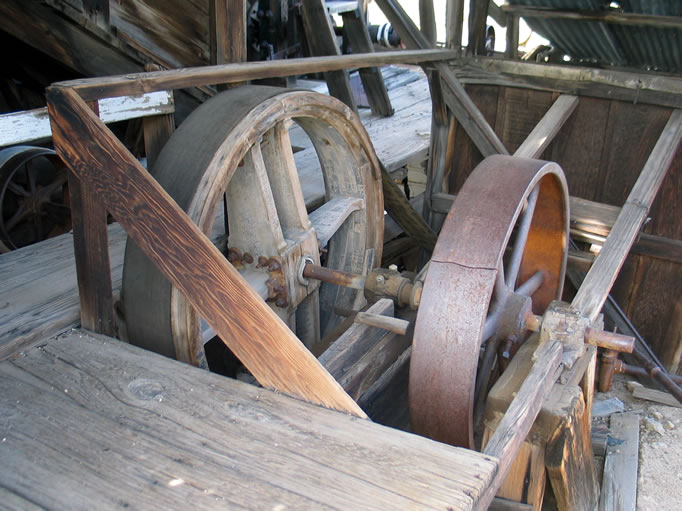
(106, 178)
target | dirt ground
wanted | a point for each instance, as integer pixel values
(659, 484)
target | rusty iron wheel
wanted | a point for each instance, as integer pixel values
(500, 255)
(232, 168)
(34, 203)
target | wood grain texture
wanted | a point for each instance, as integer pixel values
(524, 408)
(274, 355)
(595, 289)
(548, 127)
(322, 40)
(620, 466)
(130, 84)
(130, 428)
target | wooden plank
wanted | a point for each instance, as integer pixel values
(478, 16)
(31, 125)
(570, 462)
(638, 87)
(595, 289)
(322, 40)
(136, 429)
(512, 36)
(620, 466)
(548, 127)
(520, 416)
(613, 17)
(327, 219)
(227, 31)
(170, 239)
(372, 80)
(139, 83)
(641, 392)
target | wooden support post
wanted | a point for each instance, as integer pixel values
(91, 250)
(427, 21)
(454, 16)
(156, 129)
(548, 127)
(227, 32)
(322, 40)
(597, 284)
(521, 414)
(478, 14)
(512, 50)
(187, 258)
(372, 80)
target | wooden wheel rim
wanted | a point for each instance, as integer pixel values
(459, 285)
(196, 167)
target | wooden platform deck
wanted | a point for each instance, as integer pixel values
(38, 288)
(90, 422)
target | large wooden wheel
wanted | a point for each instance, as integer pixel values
(233, 157)
(500, 257)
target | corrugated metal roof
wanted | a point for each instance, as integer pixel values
(622, 45)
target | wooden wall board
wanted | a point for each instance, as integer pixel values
(128, 427)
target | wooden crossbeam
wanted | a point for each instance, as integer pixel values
(597, 284)
(140, 83)
(548, 127)
(614, 17)
(187, 257)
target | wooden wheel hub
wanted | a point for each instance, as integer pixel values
(236, 147)
(501, 254)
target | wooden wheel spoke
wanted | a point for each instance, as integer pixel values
(31, 173)
(328, 218)
(308, 321)
(521, 239)
(249, 190)
(285, 184)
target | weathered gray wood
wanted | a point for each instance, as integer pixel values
(524, 408)
(512, 50)
(395, 325)
(548, 127)
(112, 424)
(597, 284)
(31, 125)
(427, 21)
(619, 490)
(322, 41)
(454, 18)
(614, 17)
(638, 87)
(327, 219)
(641, 392)
(372, 80)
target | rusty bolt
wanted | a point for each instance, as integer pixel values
(247, 258)
(262, 262)
(274, 264)
(282, 301)
(234, 255)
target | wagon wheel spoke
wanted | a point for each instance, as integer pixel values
(57, 184)
(17, 189)
(32, 181)
(521, 238)
(530, 286)
(60, 212)
(17, 217)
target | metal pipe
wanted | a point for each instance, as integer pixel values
(659, 375)
(338, 277)
(606, 370)
(623, 368)
(610, 340)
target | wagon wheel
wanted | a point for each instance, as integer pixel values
(501, 254)
(237, 146)
(33, 196)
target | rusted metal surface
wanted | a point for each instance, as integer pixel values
(465, 292)
(610, 340)
(332, 276)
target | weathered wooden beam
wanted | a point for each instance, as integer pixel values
(637, 87)
(427, 21)
(613, 17)
(98, 10)
(187, 258)
(619, 490)
(597, 284)
(478, 16)
(372, 80)
(512, 37)
(140, 83)
(454, 24)
(322, 41)
(227, 31)
(548, 127)
(520, 416)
